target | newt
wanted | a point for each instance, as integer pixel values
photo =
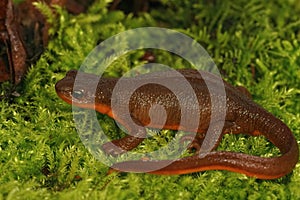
(242, 116)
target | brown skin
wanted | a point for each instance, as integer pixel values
(242, 116)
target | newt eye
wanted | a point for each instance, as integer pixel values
(78, 94)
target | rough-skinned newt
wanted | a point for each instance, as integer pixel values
(242, 116)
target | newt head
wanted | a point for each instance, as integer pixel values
(75, 89)
(85, 90)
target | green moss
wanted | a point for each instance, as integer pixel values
(254, 44)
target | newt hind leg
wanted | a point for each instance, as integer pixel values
(196, 141)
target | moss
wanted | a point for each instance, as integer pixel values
(254, 44)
